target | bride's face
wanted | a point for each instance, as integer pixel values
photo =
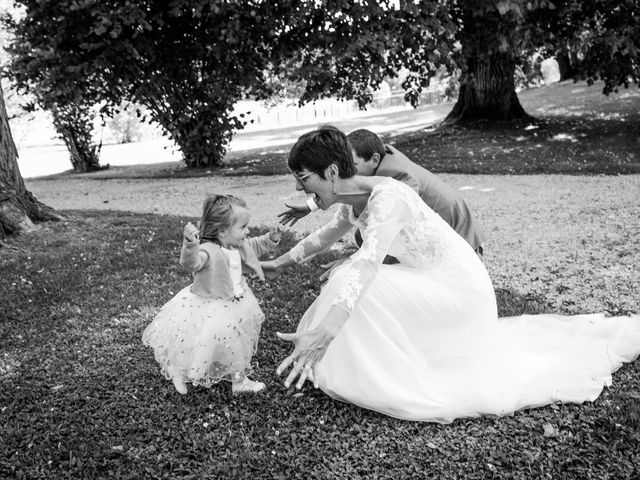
(313, 184)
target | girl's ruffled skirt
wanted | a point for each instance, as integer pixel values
(205, 340)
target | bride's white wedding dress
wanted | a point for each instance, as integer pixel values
(423, 340)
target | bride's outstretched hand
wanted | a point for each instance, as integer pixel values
(310, 347)
(295, 213)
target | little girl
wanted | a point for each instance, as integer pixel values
(209, 331)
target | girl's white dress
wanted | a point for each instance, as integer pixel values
(204, 340)
(423, 340)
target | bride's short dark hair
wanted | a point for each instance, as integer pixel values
(318, 149)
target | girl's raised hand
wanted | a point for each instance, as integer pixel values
(191, 232)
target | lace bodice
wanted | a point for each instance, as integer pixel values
(395, 222)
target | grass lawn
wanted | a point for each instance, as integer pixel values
(80, 397)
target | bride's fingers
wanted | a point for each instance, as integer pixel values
(312, 374)
(285, 364)
(295, 372)
(305, 374)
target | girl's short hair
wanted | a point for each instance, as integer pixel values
(365, 143)
(318, 149)
(217, 214)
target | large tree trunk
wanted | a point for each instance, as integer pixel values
(487, 92)
(567, 64)
(490, 46)
(18, 207)
(73, 124)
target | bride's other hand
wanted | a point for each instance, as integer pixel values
(310, 347)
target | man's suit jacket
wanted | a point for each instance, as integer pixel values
(442, 199)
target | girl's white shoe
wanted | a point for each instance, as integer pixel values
(246, 386)
(181, 387)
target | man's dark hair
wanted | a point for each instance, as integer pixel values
(366, 143)
(318, 149)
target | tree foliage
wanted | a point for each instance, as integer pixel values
(74, 125)
(601, 36)
(348, 47)
(188, 62)
(72, 119)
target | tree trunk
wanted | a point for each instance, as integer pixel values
(81, 154)
(73, 124)
(487, 91)
(18, 207)
(490, 48)
(201, 128)
(567, 64)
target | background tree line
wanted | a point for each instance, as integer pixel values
(188, 62)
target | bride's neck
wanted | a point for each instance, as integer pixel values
(355, 191)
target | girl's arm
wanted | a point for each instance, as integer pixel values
(192, 258)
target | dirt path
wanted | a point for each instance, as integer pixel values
(570, 238)
(540, 199)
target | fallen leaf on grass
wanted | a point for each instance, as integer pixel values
(549, 430)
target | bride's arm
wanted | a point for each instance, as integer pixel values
(315, 243)
(388, 214)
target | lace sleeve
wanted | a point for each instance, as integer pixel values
(388, 214)
(322, 239)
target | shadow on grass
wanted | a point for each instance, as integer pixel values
(511, 303)
(551, 145)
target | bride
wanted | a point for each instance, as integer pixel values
(421, 340)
